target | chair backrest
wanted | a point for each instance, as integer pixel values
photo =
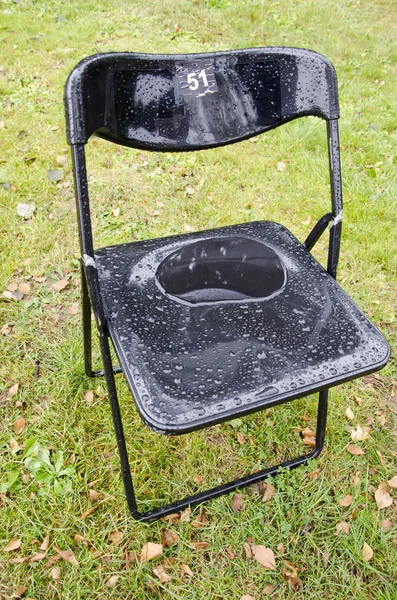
(193, 101)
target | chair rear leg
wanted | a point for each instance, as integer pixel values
(87, 330)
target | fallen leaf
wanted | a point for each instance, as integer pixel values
(355, 450)
(53, 559)
(267, 590)
(187, 570)
(112, 581)
(383, 498)
(89, 396)
(381, 457)
(38, 279)
(17, 296)
(79, 539)
(386, 524)
(346, 500)
(314, 474)
(12, 545)
(61, 160)
(343, 526)
(360, 434)
(169, 538)
(198, 480)
(150, 551)
(270, 490)
(247, 550)
(13, 390)
(237, 501)
(55, 175)
(240, 438)
(12, 287)
(281, 166)
(115, 537)
(290, 574)
(26, 210)
(24, 288)
(87, 513)
(60, 285)
(349, 413)
(247, 597)
(116, 212)
(37, 557)
(325, 560)
(55, 573)
(187, 227)
(66, 555)
(185, 515)
(21, 589)
(367, 552)
(200, 545)
(264, 556)
(46, 542)
(189, 190)
(355, 478)
(19, 425)
(393, 482)
(281, 548)
(161, 574)
(93, 495)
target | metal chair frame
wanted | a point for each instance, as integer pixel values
(91, 302)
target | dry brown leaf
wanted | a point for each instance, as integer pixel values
(93, 495)
(354, 478)
(393, 482)
(12, 287)
(240, 438)
(349, 413)
(343, 526)
(355, 450)
(290, 574)
(66, 555)
(53, 559)
(346, 500)
(247, 550)
(186, 570)
(326, 559)
(386, 524)
(115, 537)
(264, 556)
(383, 498)
(190, 190)
(309, 441)
(314, 474)
(79, 539)
(55, 573)
(92, 483)
(161, 574)
(24, 288)
(367, 552)
(88, 512)
(281, 166)
(200, 545)
(198, 480)
(19, 560)
(237, 501)
(46, 542)
(360, 434)
(247, 597)
(12, 545)
(13, 443)
(13, 390)
(89, 396)
(150, 551)
(112, 581)
(381, 457)
(185, 515)
(60, 285)
(19, 425)
(169, 538)
(267, 590)
(270, 490)
(37, 557)
(281, 548)
(21, 589)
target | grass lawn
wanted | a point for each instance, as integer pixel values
(65, 531)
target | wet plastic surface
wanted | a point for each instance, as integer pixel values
(199, 343)
(184, 102)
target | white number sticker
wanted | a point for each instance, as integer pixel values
(196, 80)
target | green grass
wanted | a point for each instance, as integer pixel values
(40, 43)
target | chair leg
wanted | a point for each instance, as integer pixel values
(210, 494)
(87, 330)
(86, 314)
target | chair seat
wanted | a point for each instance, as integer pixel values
(220, 323)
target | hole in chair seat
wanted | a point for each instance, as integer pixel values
(222, 270)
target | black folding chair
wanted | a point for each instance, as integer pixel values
(218, 324)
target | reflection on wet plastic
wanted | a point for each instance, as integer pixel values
(222, 270)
